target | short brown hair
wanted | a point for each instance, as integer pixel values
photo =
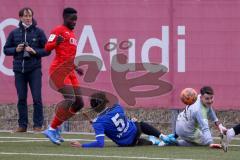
(206, 90)
(27, 9)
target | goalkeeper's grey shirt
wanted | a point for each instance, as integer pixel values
(192, 123)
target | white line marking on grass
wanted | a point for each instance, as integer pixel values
(64, 132)
(86, 133)
(20, 138)
(23, 141)
(94, 156)
(234, 145)
(69, 140)
(46, 140)
(29, 139)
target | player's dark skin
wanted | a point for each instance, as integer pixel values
(70, 22)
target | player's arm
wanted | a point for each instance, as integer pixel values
(203, 124)
(79, 70)
(213, 117)
(54, 40)
(99, 143)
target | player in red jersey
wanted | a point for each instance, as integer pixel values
(62, 75)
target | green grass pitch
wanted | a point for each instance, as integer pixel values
(29, 146)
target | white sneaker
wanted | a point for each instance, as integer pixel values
(154, 140)
(161, 144)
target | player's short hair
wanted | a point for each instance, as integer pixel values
(68, 11)
(27, 9)
(206, 90)
(98, 101)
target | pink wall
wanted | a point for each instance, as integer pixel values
(212, 37)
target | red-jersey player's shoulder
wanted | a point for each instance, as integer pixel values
(59, 29)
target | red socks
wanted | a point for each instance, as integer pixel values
(57, 121)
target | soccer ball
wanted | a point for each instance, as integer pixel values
(188, 96)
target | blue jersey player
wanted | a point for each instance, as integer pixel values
(113, 123)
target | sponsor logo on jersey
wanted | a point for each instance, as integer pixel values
(73, 41)
(51, 37)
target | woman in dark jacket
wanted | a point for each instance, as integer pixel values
(26, 45)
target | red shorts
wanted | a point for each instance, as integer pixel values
(61, 77)
(71, 79)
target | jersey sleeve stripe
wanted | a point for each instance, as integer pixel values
(100, 135)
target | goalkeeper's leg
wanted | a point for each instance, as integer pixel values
(185, 143)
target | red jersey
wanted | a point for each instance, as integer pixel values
(65, 54)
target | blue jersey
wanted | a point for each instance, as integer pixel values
(115, 125)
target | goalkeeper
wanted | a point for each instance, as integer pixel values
(192, 123)
(112, 122)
